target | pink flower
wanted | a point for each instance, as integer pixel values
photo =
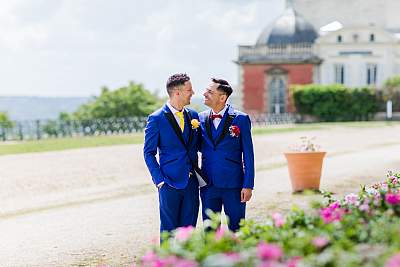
(320, 242)
(393, 199)
(149, 257)
(326, 215)
(364, 207)
(183, 233)
(377, 199)
(351, 199)
(268, 251)
(219, 233)
(332, 213)
(329, 214)
(384, 186)
(394, 261)
(394, 180)
(170, 260)
(185, 263)
(293, 262)
(334, 205)
(278, 219)
(267, 264)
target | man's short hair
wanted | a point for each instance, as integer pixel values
(223, 86)
(176, 80)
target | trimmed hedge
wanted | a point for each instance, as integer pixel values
(335, 102)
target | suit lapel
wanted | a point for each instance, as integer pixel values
(168, 114)
(225, 129)
(189, 119)
(208, 128)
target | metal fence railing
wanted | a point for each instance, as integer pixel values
(42, 129)
(271, 119)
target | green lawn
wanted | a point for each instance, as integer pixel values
(17, 147)
(68, 143)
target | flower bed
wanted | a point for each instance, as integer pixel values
(358, 230)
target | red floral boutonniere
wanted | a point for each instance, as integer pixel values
(234, 131)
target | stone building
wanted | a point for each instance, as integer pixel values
(320, 44)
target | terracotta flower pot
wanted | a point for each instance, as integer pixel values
(305, 169)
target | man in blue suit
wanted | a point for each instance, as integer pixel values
(169, 132)
(227, 155)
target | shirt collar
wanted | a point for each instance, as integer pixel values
(222, 112)
(173, 110)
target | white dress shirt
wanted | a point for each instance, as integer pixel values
(174, 111)
(217, 121)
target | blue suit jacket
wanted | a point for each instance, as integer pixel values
(228, 161)
(163, 136)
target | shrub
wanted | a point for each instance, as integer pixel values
(5, 121)
(335, 102)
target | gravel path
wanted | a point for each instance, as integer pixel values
(82, 207)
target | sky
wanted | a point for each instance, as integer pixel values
(75, 47)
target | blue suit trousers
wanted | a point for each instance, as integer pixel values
(214, 198)
(179, 207)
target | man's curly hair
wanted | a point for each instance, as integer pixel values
(176, 80)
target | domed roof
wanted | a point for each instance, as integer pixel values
(289, 28)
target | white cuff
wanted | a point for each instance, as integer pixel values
(160, 185)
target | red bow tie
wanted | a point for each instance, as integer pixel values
(215, 116)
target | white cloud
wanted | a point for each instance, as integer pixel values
(67, 47)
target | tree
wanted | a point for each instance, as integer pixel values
(392, 86)
(5, 121)
(128, 101)
(391, 91)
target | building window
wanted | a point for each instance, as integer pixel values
(277, 93)
(372, 37)
(339, 73)
(339, 39)
(372, 70)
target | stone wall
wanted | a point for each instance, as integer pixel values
(254, 84)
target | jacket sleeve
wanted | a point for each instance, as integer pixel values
(151, 141)
(248, 152)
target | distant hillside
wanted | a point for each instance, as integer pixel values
(32, 108)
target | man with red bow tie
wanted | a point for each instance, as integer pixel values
(227, 155)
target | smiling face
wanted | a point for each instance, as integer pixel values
(213, 97)
(185, 93)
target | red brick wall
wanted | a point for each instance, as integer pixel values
(254, 83)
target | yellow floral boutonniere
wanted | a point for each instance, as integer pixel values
(195, 124)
